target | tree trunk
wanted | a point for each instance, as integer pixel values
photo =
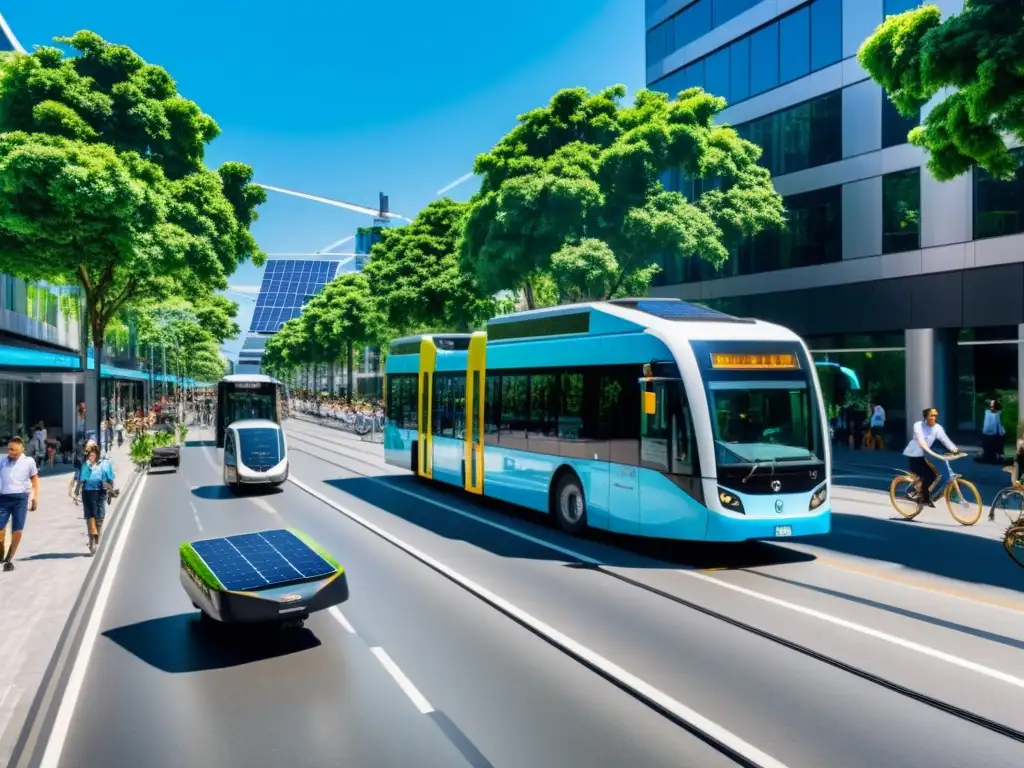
(94, 393)
(528, 292)
(351, 373)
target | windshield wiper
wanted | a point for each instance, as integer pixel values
(758, 463)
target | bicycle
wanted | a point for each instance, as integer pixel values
(957, 491)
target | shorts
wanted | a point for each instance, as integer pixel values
(14, 507)
(94, 504)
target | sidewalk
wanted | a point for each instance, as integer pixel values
(37, 597)
(889, 461)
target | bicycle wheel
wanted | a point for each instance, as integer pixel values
(1009, 501)
(899, 488)
(1013, 541)
(967, 510)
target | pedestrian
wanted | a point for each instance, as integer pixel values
(993, 433)
(19, 493)
(95, 479)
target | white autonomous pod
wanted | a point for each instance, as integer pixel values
(254, 454)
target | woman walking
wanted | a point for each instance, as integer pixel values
(96, 478)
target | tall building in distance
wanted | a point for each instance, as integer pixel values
(915, 285)
(367, 237)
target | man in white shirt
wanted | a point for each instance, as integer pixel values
(19, 492)
(926, 432)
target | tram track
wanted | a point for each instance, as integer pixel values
(831, 661)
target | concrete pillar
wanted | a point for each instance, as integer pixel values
(920, 361)
(67, 401)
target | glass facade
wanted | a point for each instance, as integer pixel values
(12, 409)
(895, 126)
(986, 369)
(789, 48)
(901, 211)
(813, 235)
(999, 205)
(800, 137)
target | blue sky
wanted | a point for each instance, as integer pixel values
(345, 100)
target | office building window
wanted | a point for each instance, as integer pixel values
(826, 33)
(800, 137)
(895, 126)
(724, 10)
(901, 211)
(892, 7)
(813, 235)
(999, 205)
(789, 48)
(795, 45)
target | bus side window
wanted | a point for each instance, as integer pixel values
(667, 437)
(492, 404)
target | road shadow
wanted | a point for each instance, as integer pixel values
(952, 553)
(390, 493)
(222, 492)
(200, 443)
(186, 643)
(54, 556)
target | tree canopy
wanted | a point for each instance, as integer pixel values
(103, 182)
(416, 277)
(574, 192)
(979, 55)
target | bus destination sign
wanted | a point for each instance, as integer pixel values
(745, 362)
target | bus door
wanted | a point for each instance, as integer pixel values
(424, 414)
(476, 371)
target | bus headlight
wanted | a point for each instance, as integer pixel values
(818, 498)
(730, 500)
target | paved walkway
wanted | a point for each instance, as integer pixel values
(37, 597)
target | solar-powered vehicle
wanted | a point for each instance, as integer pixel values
(255, 453)
(270, 577)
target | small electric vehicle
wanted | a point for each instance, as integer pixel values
(268, 577)
(255, 454)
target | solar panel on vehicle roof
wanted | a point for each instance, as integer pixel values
(257, 560)
(677, 310)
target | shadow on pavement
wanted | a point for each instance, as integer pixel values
(186, 643)
(952, 554)
(610, 549)
(54, 556)
(221, 492)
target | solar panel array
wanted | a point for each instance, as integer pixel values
(288, 284)
(257, 560)
(680, 310)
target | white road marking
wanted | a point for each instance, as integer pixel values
(264, 505)
(195, 516)
(612, 670)
(404, 682)
(73, 689)
(924, 650)
(907, 644)
(339, 617)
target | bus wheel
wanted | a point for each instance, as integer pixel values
(570, 505)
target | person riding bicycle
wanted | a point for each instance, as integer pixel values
(926, 432)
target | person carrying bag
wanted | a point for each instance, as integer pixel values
(95, 483)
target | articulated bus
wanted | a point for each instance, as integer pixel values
(246, 396)
(649, 417)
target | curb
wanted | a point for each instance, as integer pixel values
(31, 743)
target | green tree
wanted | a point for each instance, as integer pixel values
(216, 314)
(286, 350)
(978, 55)
(103, 183)
(417, 278)
(574, 193)
(344, 314)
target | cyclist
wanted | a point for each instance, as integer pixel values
(926, 432)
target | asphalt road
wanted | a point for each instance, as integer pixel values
(162, 690)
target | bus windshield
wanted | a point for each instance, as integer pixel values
(249, 405)
(259, 447)
(764, 422)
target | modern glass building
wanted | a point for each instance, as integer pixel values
(915, 285)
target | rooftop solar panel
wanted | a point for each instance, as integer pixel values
(259, 560)
(675, 310)
(288, 284)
